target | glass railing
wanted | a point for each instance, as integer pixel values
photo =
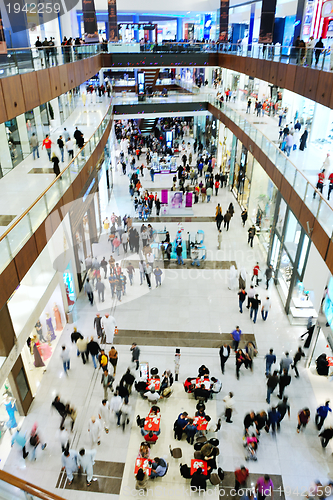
(25, 60)
(23, 228)
(318, 206)
(318, 58)
(14, 487)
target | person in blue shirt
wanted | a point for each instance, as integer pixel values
(236, 336)
(181, 423)
(159, 467)
(321, 415)
(274, 417)
(270, 359)
(190, 430)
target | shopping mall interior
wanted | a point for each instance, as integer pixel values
(165, 180)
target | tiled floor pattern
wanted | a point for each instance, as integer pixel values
(106, 479)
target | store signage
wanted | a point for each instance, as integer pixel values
(267, 21)
(91, 185)
(89, 21)
(327, 9)
(224, 20)
(137, 26)
(112, 15)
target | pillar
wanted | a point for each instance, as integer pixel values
(179, 29)
(252, 14)
(23, 134)
(15, 28)
(5, 158)
(136, 19)
(299, 18)
(69, 24)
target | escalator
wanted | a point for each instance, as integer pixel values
(147, 125)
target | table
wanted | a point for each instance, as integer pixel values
(201, 423)
(195, 464)
(152, 423)
(206, 382)
(154, 382)
(143, 463)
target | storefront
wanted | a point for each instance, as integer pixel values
(241, 181)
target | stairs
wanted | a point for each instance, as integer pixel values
(151, 76)
(146, 125)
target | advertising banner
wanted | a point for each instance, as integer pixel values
(90, 21)
(224, 20)
(112, 16)
(267, 21)
(3, 46)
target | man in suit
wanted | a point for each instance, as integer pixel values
(224, 355)
(107, 381)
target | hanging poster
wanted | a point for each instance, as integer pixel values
(90, 21)
(224, 20)
(113, 26)
(267, 21)
(3, 46)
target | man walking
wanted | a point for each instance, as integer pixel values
(47, 143)
(251, 235)
(264, 487)
(270, 358)
(34, 146)
(284, 381)
(179, 251)
(255, 303)
(224, 355)
(321, 414)
(297, 358)
(255, 276)
(60, 143)
(268, 275)
(285, 363)
(135, 355)
(100, 287)
(241, 299)
(65, 357)
(236, 336)
(265, 308)
(107, 381)
(158, 276)
(272, 382)
(69, 463)
(88, 290)
(85, 461)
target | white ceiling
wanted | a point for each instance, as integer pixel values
(172, 6)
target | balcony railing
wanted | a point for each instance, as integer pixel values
(18, 233)
(14, 487)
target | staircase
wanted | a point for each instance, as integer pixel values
(151, 76)
(146, 125)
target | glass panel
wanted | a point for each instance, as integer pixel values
(253, 133)
(37, 214)
(311, 203)
(53, 196)
(19, 235)
(281, 161)
(290, 173)
(303, 254)
(300, 185)
(272, 153)
(281, 216)
(292, 235)
(5, 258)
(266, 144)
(325, 218)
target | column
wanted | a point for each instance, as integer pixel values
(23, 133)
(299, 18)
(179, 29)
(56, 112)
(39, 125)
(5, 158)
(252, 13)
(69, 24)
(136, 19)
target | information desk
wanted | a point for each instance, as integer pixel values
(196, 464)
(143, 463)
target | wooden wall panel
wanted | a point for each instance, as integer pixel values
(13, 93)
(300, 78)
(63, 78)
(55, 81)
(285, 189)
(78, 72)
(71, 75)
(324, 88)
(281, 76)
(260, 69)
(296, 204)
(311, 84)
(266, 71)
(242, 64)
(3, 111)
(290, 77)
(86, 69)
(274, 73)
(30, 90)
(40, 237)
(7, 334)
(306, 216)
(320, 239)
(25, 258)
(77, 187)
(18, 366)
(329, 256)
(253, 67)
(9, 282)
(44, 85)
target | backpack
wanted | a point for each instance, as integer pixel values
(34, 440)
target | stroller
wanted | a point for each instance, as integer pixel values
(251, 445)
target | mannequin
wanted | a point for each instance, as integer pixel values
(50, 330)
(57, 317)
(35, 351)
(70, 302)
(10, 406)
(39, 330)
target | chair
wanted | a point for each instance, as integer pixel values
(197, 454)
(176, 452)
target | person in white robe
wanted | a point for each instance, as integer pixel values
(69, 463)
(86, 460)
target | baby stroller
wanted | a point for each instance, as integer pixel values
(251, 445)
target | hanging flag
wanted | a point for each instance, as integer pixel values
(113, 25)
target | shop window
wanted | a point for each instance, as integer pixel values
(45, 119)
(30, 123)
(275, 251)
(303, 253)
(292, 235)
(22, 384)
(285, 274)
(14, 142)
(281, 216)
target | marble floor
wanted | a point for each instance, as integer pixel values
(190, 301)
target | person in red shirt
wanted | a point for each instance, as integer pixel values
(217, 185)
(256, 270)
(330, 186)
(320, 183)
(47, 143)
(241, 476)
(150, 437)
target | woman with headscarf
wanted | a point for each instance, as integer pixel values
(232, 278)
(167, 380)
(242, 279)
(303, 140)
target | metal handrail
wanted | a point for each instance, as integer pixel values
(29, 488)
(54, 180)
